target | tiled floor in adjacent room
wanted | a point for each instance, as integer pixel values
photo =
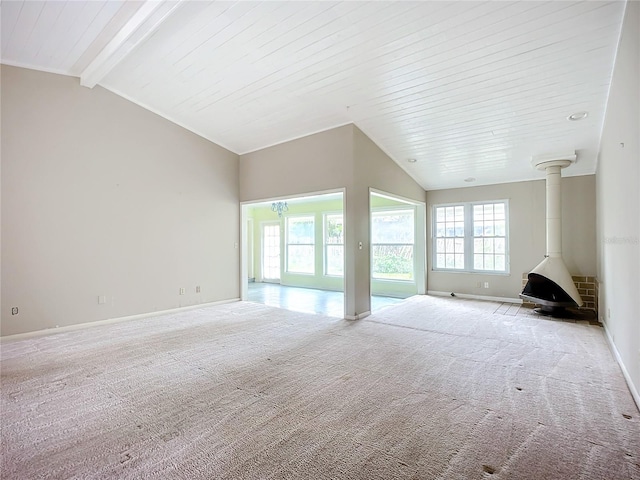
(308, 300)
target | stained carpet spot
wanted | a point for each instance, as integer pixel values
(488, 469)
(628, 417)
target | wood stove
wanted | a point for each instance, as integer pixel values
(550, 284)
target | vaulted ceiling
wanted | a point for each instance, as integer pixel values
(470, 90)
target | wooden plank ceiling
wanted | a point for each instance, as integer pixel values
(468, 89)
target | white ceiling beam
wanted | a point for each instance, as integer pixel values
(142, 24)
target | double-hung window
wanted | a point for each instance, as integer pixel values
(301, 244)
(392, 242)
(471, 237)
(333, 244)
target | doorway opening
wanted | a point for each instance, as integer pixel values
(398, 246)
(294, 255)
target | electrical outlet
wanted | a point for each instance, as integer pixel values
(479, 285)
(486, 284)
(198, 289)
(14, 310)
(102, 299)
(182, 291)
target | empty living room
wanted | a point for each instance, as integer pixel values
(320, 240)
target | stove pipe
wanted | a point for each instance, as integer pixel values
(549, 283)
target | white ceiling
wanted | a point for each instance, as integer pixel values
(469, 89)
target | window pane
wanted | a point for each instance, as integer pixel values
(459, 215)
(440, 260)
(500, 245)
(477, 245)
(393, 262)
(440, 214)
(440, 230)
(488, 211)
(500, 263)
(459, 245)
(488, 245)
(300, 230)
(500, 228)
(450, 229)
(335, 260)
(300, 258)
(477, 262)
(498, 210)
(334, 229)
(451, 215)
(477, 212)
(488, 262)
(459, 229)
(451, 261)
(488, 229)
(459, 260)
(392, 227)
(448, 245)
(477, 229)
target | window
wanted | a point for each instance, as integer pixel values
(471, 237)
(333, 244)
(300, 245)
(392, 239)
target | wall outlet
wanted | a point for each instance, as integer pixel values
(479, 285)
(198, 289)
(14, 310)
(182, 291)
(486, 284)
(102, 299)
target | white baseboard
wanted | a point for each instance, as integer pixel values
(625, 372)
(82, 326)
(359, 316)
(475, 297)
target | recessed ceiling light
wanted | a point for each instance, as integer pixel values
(470, 179)
(577, 116)
(411, 160)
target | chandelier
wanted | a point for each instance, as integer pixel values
(280, 207)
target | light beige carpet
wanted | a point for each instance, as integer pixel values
(431, 388)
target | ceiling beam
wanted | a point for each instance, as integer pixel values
(142, 24)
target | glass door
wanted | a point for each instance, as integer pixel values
(271, 252)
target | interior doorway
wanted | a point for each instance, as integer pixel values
(398, 246)
(298, 244)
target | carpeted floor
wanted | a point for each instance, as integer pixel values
(431, 388)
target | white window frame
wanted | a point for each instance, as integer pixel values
(469, 238)
(287, 243)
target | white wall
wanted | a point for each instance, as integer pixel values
(527, 233)
(103, 198)
(618, 202)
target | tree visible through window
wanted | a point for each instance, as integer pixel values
(300, 244)
(333, 244)
(392, 237)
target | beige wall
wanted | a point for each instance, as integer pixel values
(103, 198)
(618, 203)
(340, 158)
(311, 164)
(527, 241)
